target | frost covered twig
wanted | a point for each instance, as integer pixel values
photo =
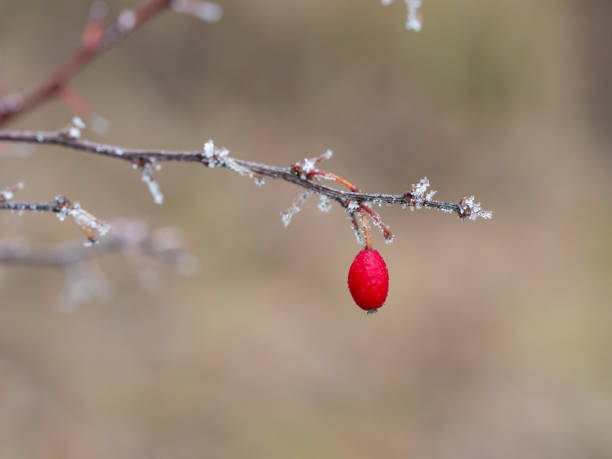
(95, 40)
(304, 174)
(142, 248)
(126, 234)
(63, 207)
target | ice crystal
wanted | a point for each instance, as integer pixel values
(214, 156)
(82, 218)
(9, 193)
(308, 165)
(86, 220)
(324, 204)
(74, 132)
(6, 195)
(352, 207)
(295, 207)
(206, 11)
(413, 21)
(420, 195)
(147, 177)
(355, 227)
(421, 188)
(473, 210)
(78, 122)
(259, 180)
(219, 157)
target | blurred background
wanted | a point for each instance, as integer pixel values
(495, 338)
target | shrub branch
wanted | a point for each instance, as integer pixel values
(304, 176)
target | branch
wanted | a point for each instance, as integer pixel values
(143, 250)
(61, 207)
(95, 41)
(303, 175)
(162, 244)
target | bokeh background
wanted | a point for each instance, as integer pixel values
(495, 338)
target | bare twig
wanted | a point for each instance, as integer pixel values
(414, 198)
(63, 207)
(92, 45)
(143, 250)
(126, 234)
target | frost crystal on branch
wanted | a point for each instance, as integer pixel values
(84, 219)
(352, 216)
(206, 11)
(306, 168)
(306, 174)
(413, 21)
(9, 193)
(324, 204)
(418, 193)
(295, 207)
(147, 177)
(73, 130)
(473, 210)
(214, 156)
(219, 157)
(78, 122)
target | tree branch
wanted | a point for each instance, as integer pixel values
(94, 42)
(161, 244)
(300, 174)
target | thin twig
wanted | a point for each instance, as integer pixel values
(143, 156)
(155, 244)
(129, 21)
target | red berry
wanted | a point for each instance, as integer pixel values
(368, 280)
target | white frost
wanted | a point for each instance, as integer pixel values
(295, 207)
(78, 122)
(206, 11)
(82, 218)
(413, 20)
(324, 204)
(147, 177)
(474, 209)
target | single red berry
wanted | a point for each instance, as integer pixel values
(368, 280)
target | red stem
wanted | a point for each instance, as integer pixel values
(58, 79)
